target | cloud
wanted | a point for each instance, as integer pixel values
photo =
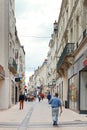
(34, 21)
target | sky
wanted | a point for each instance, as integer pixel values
(34, 22)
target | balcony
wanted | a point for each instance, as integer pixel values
(12, 65)
(2, 73)
(84, 33)
(66, 58)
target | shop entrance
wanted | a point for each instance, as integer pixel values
(83, 91)
(73, 93)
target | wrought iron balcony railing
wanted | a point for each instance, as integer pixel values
(2, 72)
(68, 51)
(12, 65)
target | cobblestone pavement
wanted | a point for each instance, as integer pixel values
(37, 116)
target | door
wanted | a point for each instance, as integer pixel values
(83, 91)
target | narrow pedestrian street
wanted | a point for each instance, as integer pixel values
(37, 116)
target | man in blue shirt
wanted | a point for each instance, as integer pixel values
(49, 96)
(55, 104)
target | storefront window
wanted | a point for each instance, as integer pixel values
(83, 90)
(73, 93)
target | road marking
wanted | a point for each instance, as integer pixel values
(25, 122)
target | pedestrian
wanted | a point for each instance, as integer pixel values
(49, 97)
(39, 98)
(21, 100)
(42, 96)
(55, 104)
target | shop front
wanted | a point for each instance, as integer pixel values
(77, 85)
(83, 88)
(73, 93)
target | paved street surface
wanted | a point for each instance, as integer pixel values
(37, 116)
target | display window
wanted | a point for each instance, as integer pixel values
(73, 93)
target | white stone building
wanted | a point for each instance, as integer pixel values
(52, 60)
(5, 34)
(72, 50)
(8, 62)
(39, 79)
(68, 53)
(43, 76)
(31, 81)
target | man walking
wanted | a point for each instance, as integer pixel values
(49, 97)
(55, 104)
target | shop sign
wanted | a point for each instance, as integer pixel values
(85, 63)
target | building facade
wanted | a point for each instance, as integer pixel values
(67, 56)
(9, 91)
(72, 50)
(52, 60)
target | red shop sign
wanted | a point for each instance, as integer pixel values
(85, 63)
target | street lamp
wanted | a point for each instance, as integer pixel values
(53, 84)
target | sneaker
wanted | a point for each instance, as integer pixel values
(54, 123)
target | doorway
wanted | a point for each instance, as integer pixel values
(83, 91)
